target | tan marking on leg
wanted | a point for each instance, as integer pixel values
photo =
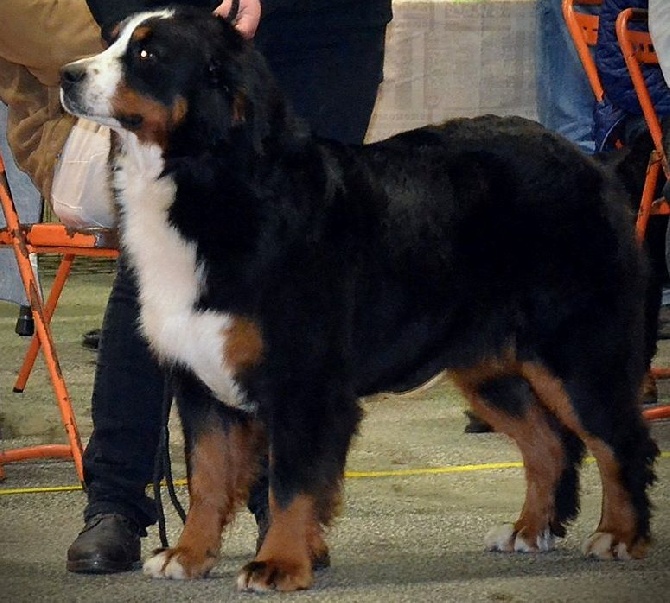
(329, 506)
(470, 377)
(318, 548)
(284, 561)
(618, 515)
(222, 465)
(543, 459)
(244, 344)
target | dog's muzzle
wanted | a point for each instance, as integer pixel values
(72, 78)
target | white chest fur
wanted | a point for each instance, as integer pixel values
(170, 279)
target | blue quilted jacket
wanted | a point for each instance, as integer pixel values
(620, 98)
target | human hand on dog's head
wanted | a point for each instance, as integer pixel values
(247, 18)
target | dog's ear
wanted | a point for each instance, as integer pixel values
(256, 103)
(234, 104)
(233, 98)
(209, 120)
(215, 75)
(216, 81)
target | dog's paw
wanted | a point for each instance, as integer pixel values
(506, 539)
(177, 564)
(262, 576)
(501, 538)
(604, 545)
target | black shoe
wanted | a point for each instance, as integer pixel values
(107, 544)
(475, 424)
(91, 339)
(25, 324)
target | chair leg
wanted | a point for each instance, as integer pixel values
(41, 451)
(644, 213)
(31, 354)
(41, 317)
(62, 395)
(648, 196)
(654, 414)
(658, 412)
(74, 447)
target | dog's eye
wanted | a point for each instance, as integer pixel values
(145, 54)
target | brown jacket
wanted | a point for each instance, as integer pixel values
(37, 38)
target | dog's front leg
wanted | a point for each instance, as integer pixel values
(222, 458)
(308, 448)
(284, 561)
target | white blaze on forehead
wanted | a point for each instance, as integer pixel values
(132, 23)
(120, 45)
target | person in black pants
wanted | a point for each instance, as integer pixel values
(328, 57)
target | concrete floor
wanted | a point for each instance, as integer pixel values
(420, 497)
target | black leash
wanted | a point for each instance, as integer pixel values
(163, 465)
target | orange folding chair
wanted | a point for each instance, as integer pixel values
(583, 28)
(638, 50)
(52, 238)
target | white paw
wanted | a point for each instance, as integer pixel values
(159, 566)
(504, 539)
(544, 543)
(500, 538)
(600, 545)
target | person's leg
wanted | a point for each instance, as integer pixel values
(119, 458)
(128, 393)
(330, 77)
(565, 100)
(28, 203)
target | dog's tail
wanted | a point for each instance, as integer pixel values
(629, 165)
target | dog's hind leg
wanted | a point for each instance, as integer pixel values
(506, 402)
(222, 453)
(619, 439)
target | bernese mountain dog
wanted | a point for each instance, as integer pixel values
(282, 277)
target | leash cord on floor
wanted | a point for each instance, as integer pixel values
(163, 465)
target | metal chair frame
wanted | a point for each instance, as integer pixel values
(48, 238)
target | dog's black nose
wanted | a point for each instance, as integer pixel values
(70, 75)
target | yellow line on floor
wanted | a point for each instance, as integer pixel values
(347, 474)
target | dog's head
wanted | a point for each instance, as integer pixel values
(175, 71)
